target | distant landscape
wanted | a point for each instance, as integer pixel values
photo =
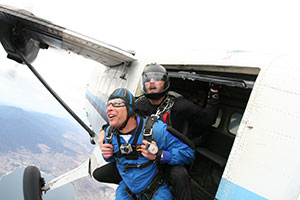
(54, 144)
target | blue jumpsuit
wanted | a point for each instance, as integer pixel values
(175, 153)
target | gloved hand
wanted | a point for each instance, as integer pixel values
(214, 91)
(214, 86)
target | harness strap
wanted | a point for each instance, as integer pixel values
(110, 134)
(130, 194)
(165, 106)
(140, 166)
(143, 165)
(141, 122)
(150, 191)
(134, 154)
(148, 128)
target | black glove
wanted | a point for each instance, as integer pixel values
(214, 86)
(211, 94)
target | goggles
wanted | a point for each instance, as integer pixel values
(156, 76)
(116, 103)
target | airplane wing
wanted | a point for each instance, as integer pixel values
(21, 29)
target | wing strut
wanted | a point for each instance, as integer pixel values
(55, 95)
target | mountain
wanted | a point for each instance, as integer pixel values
(53, 144)
(28, 130)
(31, 138)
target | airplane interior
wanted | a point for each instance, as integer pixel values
(212, 153)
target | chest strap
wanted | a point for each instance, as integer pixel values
(140, 166)
(135, 153)
(147, 135)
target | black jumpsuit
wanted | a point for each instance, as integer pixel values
(184, 112)
(189, 119)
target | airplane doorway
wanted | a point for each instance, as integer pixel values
(217, 141)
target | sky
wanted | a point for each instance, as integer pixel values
(143, 26)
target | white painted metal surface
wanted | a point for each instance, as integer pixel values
(265, 155)
(81, 171)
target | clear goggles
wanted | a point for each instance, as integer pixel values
(115, 103)
(156, 76)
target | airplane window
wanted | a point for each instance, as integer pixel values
(235, 121)
(218, 120)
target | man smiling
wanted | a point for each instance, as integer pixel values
(174, 110)
(136, 161)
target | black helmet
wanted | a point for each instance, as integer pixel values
(158, 73)
(129, 99)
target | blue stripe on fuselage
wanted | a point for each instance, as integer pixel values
(230, 191)
(99, 105)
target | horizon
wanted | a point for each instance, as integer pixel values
(229, 25)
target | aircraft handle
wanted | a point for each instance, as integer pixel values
(55, 95)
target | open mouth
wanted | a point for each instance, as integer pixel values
(110, 116)
(152, 88)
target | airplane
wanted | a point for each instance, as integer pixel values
(251, 152)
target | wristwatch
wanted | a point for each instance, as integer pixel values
(152, 148)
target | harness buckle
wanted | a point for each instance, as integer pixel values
(147, 132)
(110, 134)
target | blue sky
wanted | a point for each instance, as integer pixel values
(140, 25)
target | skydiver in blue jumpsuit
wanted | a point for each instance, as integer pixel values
(135, 157)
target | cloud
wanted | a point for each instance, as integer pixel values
(66, 74)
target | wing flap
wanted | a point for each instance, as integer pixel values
(101, 52)
(47, 33)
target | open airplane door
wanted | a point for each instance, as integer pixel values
(22, 35)
(264, 161)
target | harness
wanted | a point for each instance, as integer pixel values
(130, 151)
(150, 191)
(164, 109)
(134, 153)
(162, 112)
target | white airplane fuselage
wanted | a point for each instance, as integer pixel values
(263, 160)
(251, 152)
